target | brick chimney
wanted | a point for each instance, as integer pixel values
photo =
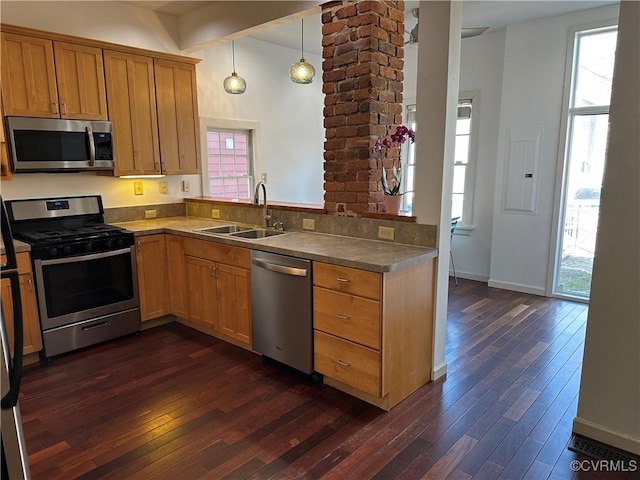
(363, 52)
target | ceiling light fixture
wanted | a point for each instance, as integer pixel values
(234, 83)
(465, 32)
(302, 72)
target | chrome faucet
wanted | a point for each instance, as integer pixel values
(256, 201)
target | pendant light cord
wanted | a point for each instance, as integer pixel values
(302, 39)
(233, 56)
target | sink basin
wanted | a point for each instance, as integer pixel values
(223, 229)
(257, 233)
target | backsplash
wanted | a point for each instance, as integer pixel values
(367, 228)
(129, 214)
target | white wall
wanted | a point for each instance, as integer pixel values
(481, 65)
(290, 115)
(609, 398)
(532, 88)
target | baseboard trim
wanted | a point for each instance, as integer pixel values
(470, 276)
(605, 435)
(439, 371)
(517, 287)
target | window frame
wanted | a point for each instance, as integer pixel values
(229, 125)
(465, 225)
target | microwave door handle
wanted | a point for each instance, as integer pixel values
(92, 146)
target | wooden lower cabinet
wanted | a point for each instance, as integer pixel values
(32, 339)
(203, 299)
(373, 331)
(233, 289)
(218, 281)
(152, 266)
(177, 276)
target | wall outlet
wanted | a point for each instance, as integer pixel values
(386, 233)
(163, 187)
(137, 187)
(215, 213)
(263, 178)
(186, 186)
(308, 224)
(150, 213)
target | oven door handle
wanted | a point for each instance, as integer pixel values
(83, 258)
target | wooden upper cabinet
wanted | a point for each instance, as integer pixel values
(80, 76)
(132, 111)
(5, 167)
(177, 116)
(28, 77)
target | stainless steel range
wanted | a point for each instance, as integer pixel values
(85, 271)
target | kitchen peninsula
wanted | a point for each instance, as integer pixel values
(380, 353)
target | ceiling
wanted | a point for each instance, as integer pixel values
(475, 13)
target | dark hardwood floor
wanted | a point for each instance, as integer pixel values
(173, 403)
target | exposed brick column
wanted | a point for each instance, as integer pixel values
(362, 81)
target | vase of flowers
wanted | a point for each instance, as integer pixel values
(391, 187)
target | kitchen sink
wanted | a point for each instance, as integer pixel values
(257, 233)
(224, 229)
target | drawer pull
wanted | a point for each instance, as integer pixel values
(344, 364)
(343, 317)
(344, 280)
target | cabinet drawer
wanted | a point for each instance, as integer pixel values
(347, 316)
(218, 252)
(23, 259)
(347, 280)
(354, 365)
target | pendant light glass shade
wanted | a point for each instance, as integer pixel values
(302, 72)
(234, 83)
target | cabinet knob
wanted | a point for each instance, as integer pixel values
(212, 271)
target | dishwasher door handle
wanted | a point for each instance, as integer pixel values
(274, 267)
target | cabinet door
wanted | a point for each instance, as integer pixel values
(177, 276)
(5, 166)
(153, 284)
(32, 341)
(28, 77)
(80, 76)
(234, 300)
(203, 301)
(177, 116)
(132, 110)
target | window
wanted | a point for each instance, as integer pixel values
(409, 164)
(586, 117)
(229, 172)
(464, 167)
(462, 196)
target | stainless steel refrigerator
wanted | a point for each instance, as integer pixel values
(14, 452)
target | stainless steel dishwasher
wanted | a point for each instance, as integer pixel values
(281, 309)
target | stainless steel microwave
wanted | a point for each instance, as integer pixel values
(58, 145)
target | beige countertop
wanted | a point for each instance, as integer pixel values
(372, 255)
(18, 245)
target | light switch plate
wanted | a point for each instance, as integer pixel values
(215, 213)
(163, 187)
(308, 224)
(137, 187)
(263, 178)
(386, 233)
(186, 186)
(150, 213)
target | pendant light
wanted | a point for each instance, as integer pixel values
(302, 72)
(234, 83)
